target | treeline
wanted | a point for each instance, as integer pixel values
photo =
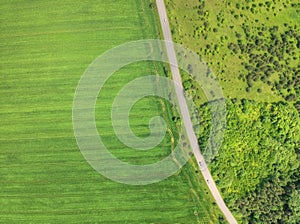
(257, 168)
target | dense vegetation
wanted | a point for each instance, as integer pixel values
(253, 48)
(257, 169)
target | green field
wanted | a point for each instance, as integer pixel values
(45, 48)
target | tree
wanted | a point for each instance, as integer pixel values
(265, 205)
(152, 5)
(294, 206)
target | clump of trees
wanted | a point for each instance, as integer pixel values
(269, 55)
(257, 168)
(272, 203)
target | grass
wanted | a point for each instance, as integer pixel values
(187, 27)
(45, 48)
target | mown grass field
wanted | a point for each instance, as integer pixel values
(45, 48)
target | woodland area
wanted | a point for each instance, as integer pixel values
(257, 168)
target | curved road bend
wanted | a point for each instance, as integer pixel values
(186, 116)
